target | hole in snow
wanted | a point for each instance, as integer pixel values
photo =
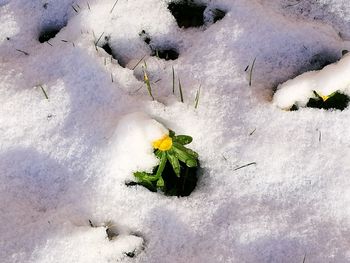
(163, 53)
(187, 13)
(50, 32)
(106, 47)
(214, 14)
(145, 37)
(167, 54)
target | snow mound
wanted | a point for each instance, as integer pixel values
(131, 144)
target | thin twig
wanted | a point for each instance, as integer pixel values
(304, 258)
(88, 5)
(243, 166)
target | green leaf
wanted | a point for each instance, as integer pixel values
(185, 149)
(145, 180)
(161, 166)
(191, 163)
(186, 158)
(183, 139)
(143, 176)
(160, 183)
(174, 162)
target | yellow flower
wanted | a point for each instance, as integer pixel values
(163, 144)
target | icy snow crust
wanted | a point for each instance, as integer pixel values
(64, 161)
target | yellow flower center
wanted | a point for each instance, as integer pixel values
(163, 144)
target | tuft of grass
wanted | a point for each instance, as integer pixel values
(180, 90)
(146, 80)
(251, 72)
(113, 6)
(196, 100)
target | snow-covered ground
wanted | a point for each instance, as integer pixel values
(64, 160)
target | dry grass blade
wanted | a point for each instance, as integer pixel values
(25, 53)
(74, 8)
(98, 40)
(173, 79)
(113, 6)
(251, 72)
(45, 94)
(138, 62)
(181, 94)
(243, 166)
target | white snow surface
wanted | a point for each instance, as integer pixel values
(64, 160)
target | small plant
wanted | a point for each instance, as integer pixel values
(336, 100)
(176, 173)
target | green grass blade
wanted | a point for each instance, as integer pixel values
(197, 97)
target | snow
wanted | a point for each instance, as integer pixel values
(64, 160)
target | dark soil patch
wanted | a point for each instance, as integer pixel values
(187, 13)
